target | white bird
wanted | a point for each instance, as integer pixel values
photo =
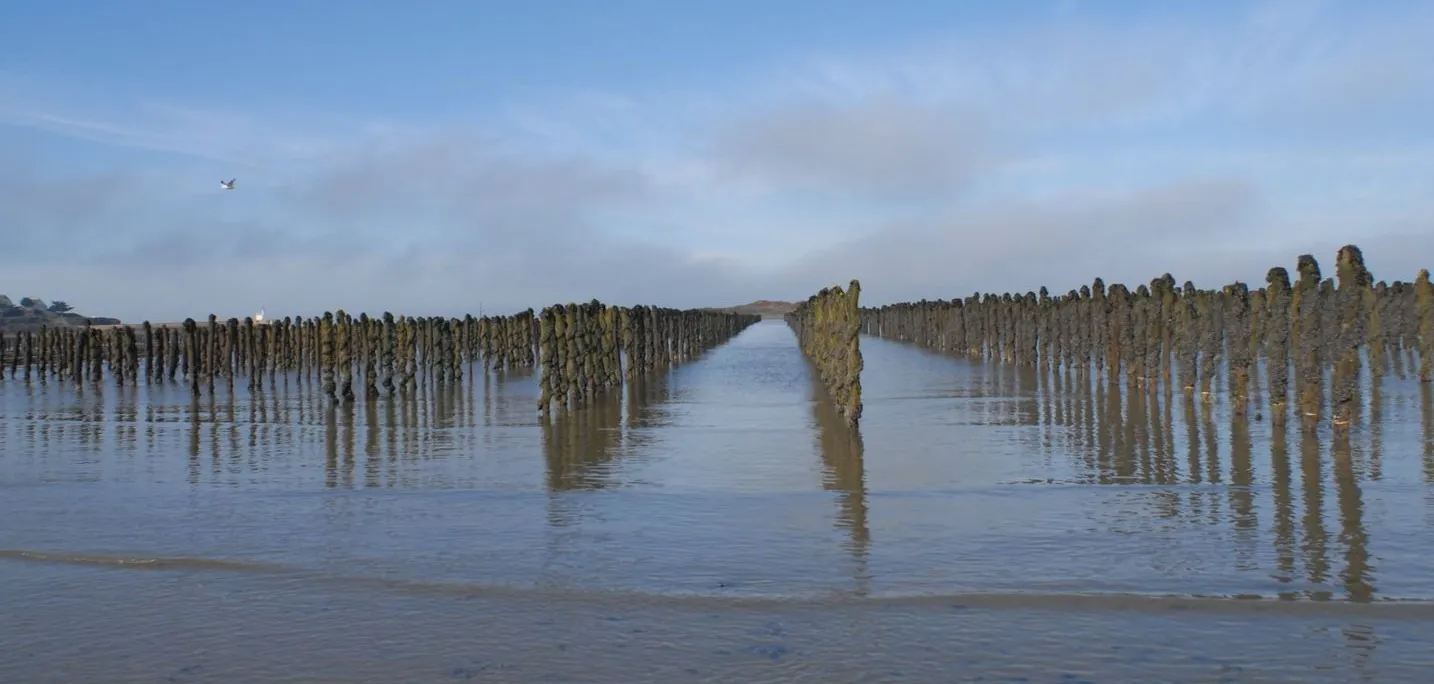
(227, 185)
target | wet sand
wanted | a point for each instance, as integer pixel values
(121, 626)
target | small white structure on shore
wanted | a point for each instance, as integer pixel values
(259, 317)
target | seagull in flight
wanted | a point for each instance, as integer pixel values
(227, 185)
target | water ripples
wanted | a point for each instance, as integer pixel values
(719, 523)
(735, 476)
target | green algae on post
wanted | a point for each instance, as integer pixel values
(1195, 339)
(828, 329)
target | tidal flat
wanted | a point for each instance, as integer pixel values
(716, 522)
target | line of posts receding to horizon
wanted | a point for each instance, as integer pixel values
(582, 349)
(1328, 335)
(1314, 341)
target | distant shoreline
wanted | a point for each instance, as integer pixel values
(767, 309)
(201, 322)
(167, 325)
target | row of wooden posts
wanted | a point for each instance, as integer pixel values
(828, 330)
(583, 345)
(1347, 327)
(1156, 336)
(374, 356)
(348, 355)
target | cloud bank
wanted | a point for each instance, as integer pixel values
(1069, 148)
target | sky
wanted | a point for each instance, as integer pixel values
(442, 158)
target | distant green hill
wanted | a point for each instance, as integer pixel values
(32, 313)
(766, 308)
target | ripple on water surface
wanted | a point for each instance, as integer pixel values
(733, 476)
(717, 522)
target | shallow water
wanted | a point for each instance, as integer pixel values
(716, 524)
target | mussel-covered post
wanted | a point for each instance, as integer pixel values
(828, 329)
(1424, 314)
(581, 347)
(1277, 340)
(1305, 321)
(1354, 280)
(1237, 317)
(326, 354)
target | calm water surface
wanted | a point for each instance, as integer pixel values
(716, 524)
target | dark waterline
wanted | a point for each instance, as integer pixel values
(984, 506)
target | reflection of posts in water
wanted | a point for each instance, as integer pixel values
(1125, 447)
(195, 421)
(1026, 378)
(1356, 574)
(1426, 394)
(1123, 436)
(372, 458)
(93, 416)
(1315, 539)
(1105, 465)
(1060, 407)
(126, 413)
(422, 404)
(636, 395)
(233, 429)
(842, 453)
(1212, 442)
(410, 406)
(1241, 494)
(1138, 415)
(257, 405)
(487, 398)
(1192, 438)
(462, 398)
(347, 428)
(1162, 428)
(578, 445)
(235, 452)
(41, 435)
(645, 402)
(1376, 426)
(215, 467)
(447, 400)
(151, 436)
(279, 403)
(1052, 397)
(331, 448)
(392, 427)
(1086, 409)
(469, 394)
(1282, 477)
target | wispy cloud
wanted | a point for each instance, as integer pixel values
(1210, 145)
(251, 139)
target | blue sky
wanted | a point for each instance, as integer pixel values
(434, 157)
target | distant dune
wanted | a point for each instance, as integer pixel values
(766, 308)
(33, 313)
